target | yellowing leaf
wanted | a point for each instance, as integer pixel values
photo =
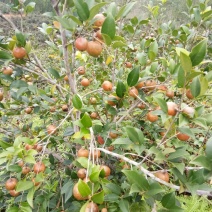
(109, 60)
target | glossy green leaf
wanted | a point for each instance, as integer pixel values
(5, 55)
(77, 102)
(125, 10)
(29, 7)
(198, 52)
(208, 149)
(120, 89)
(135, 135)
(168, 201)
(195, 87)
(54, 73)
(133, 77)
(83, 161)
(82, 9)
(122, 141)
(106, 39)
(21, 39)
(86, 120)
(14, 168)
(137, 178)
(181, 78)
(185, 62)
(124, 205)
(30, 196)
(67, 190)
(24, 185)
(109, 27)
(153, 48)
(83, 188)
(95, 9)
(66, 23)
(162, 103)
(118, 44)
(202, 161)
(98, 197)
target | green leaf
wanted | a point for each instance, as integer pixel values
(77, 102)
(122, 141)
(198, 52)
(24, 185)
(195, 87)
(83, 188)
(106, 39)
(5, 55)
(30, 196)
(21, 40)
(66, 23)
(124, 205)
(208, 149)
(95, 9)
(86, 120)
(112, 188)
(82, 9)
(54, 73)
(154, 189)
(135, 135)
(94, 177)
(153, 48)
(202, 161)
(83, 162)
(162, 103)
(67, 190)
(120, 89)
(179, 175)
(118, 44)
(168, 201)
(133, 77)
(181, 78)
(14, 168)
(109, 27)
(185, 62)
(125, 10)
(18, 84)
(137, 178)
(98, 197)
(4, 145)
(30, 7)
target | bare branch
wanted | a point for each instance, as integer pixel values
(9, 21)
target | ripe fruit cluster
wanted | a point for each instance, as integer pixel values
(10, 185)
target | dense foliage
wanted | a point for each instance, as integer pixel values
(117, 118)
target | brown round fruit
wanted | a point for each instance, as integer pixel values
(163, 175)
(162, 88)
(19, 52)
(83, 153)
(133, 92)
(81, 173)
(110, 148)
(25, 170)
(81, 70)
(151, 117)
(128, 65)
(85, 82)
(93, 100)
(99, 20)
(189, 111)
(141, 106)
(28, 110)
(35, 182)
(189, 94)
(100, 140)
(96, 154)
(92, 207)
(112, 101)
(28, 146)
(107, 86)
(170, 94)
(65, 108)
(140, 85)
(14, 193)
(81, 44)
(7, 71)
(77, 194)
(113, 135)
(21, 163)
(39, 167)
(94, 48)
(182, 136)
(172, 108)
(11, 183)
(51, 129)
(52, 109)
(104, 210)
(99, 34)
(150, 84)
(106, 170)
(94, 115)
(39, 148)
(1, 96)
(66, 78)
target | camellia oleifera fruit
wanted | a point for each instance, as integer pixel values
(51, 129)
(85, 82)
(7, 71)
(83, 153)
(11, 183)
(133, 92)
(81, 173)
(92, 207)
(19, 52)
(77, 194)
(151, 117)
(99, 20)
(14, 193)
(163, 175)
(106, 169)
(107, 86)
(172, 108)
(81, 44)
(182, 136)
(94, 48)
(1, 96)
(39, 167)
